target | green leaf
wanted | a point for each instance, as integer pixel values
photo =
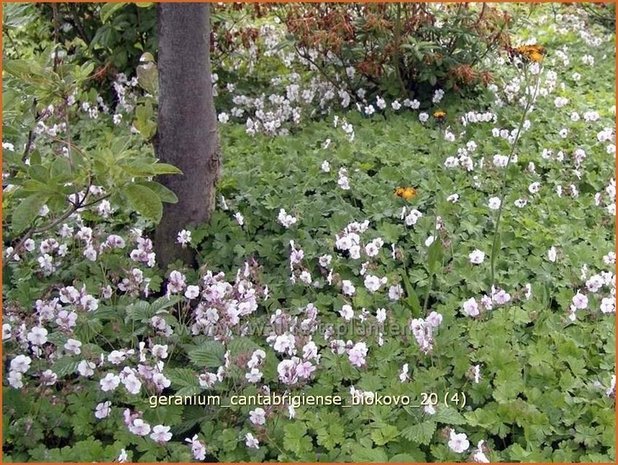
(365, 454)
(26, 211)
(65, 366)
(420, 433)
(208, 355)
(165, 194)
(384, 434)
(145, 201)
(412, 300)
(449, 416)
(165, 168)
(108, 10)
(434, 256)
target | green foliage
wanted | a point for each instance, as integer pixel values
(523, 377)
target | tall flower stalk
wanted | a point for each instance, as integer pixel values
(529, 54)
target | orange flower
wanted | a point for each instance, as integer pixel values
(406, 193)
(533, 53)
(439, 115)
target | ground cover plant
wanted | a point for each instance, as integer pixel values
(431, 263)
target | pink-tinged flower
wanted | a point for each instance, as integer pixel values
(73, 346)
(346, 312)
(160, 433)
(37, 336)
(347, 287)
(479, 455)
(192, 292)
(470, 307)
(86, 368)
(251, 441)
(580, 301)
(139, 427)
(102, 410)
(198, 449)
(20, 364)
(257, 416)
(458, 442)
(373, 283)
(357, 354)
(109, 382)
(254, 376)
(287, 371)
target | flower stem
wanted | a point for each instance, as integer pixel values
(529, 101)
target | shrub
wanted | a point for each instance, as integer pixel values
(404, 49)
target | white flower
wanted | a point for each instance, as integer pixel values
(159, 350)
(257, 416)
(15, 379)
(192, 292)
(239, 218)
(161, 433)
(479, 456)
(429, 241)
(494, 203)
(49, 378)
(102, 410)
(116, 357)
(123, 457)
(184, 237)
(453, 198)
(357, 354)
(73, 345)
(286, 220)
(534, 187)
(139, 427)
(197, 448)
(86, 368)
(346, 312)
(608, 305)
(395, 292)
(423, 117)
(347, 287)
(403, 375)
(251, 441)
(109, 382)
(223, 118)
(305, 277)
(476, 257)
(580, 301)
(37, 336)
(551, 254)
(254, 376)
(470, 307)
(325, 166)
(6, 331)
(373, 283)
(20, 364)
(458, 442)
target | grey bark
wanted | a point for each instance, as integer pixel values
(187, 124)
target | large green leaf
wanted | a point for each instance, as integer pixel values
(165, 194)
(145, 201)
(26, 211)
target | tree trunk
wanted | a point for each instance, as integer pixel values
(187, 124)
